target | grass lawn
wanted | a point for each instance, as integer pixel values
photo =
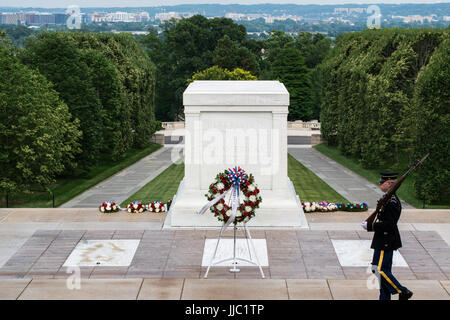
(405, 192)
(162, 188)
(68, 187)
(308, 186)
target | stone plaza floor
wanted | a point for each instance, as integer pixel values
(330, 260)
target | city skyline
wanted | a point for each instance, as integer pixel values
(156, 3)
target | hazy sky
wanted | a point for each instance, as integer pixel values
(151, 3)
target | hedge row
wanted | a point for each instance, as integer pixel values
(386, 94)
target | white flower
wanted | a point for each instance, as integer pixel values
(156, 205)
(102, 209)
(108, 208)
(156, 210)
(238, 213)
(219, 206)
(163, 208)
(141, 209)
(251, 187)
(220, 216)
(129, 210)
(248, 208)
(246, 219)
(114, 207)
(228, 213)
(135, 206)
(252, 198)
(150, 209)
(220, 186)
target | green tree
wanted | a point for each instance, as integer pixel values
(368, 86)
(289, 67)
(217, 73)
(136, 75)
(57, 57)
(38, 138)
(184, 48)
(109, 91)
(229, 55)
(313, 47)
(432, 109)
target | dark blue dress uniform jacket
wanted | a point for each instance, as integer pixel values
(387, 236)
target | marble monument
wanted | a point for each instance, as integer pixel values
(236, 123)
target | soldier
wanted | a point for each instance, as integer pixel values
(385, 240)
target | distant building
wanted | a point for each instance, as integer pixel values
(234, 16)
(118, 17)
(416, 18)
(165, 16)
(38, 19)
(11, 18)
(47, 18)
(349, 11)
(61, 18)
(143, 17)
(98, 17)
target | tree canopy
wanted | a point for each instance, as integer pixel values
(108, 82)
(217, 73)
(376, 104)
(289, 67)
(38, 137)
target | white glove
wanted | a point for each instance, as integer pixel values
(364, 225)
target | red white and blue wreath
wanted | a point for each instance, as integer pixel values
(109, 207)
(135, 207)
(241, 186)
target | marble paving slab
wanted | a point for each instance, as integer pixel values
(225, 250)
(111, 253)
(357, 253)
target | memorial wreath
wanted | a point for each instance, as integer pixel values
(156, 206)
(135, 207)
(238, 182)
(109, 207)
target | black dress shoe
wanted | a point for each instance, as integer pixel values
(405, 295)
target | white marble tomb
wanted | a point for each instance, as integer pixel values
(236, 123)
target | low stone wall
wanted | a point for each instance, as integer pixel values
(158, 138)
(173, 125)
(300, 125)
(316, 138)
(293, 125)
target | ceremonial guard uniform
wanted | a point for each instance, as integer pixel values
(387, 239)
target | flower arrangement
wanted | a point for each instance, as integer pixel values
(250, 194)
(326, 207)
(135, 207)
(319, 206)
(352, 207)
(156, 206)
(109, 207)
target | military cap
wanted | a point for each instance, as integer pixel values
(388, 175)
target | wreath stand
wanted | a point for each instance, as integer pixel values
(235, 259)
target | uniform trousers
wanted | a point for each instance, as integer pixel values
(382, 267)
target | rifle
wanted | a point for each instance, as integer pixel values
(387, 196)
